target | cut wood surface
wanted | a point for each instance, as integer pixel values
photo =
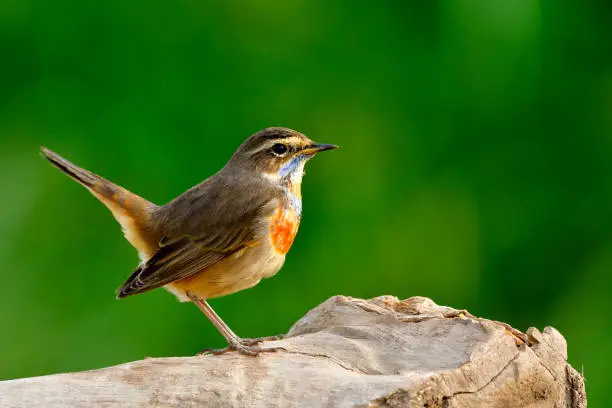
(346, 352)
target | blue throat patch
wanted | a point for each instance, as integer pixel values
(285, 172)
(288, 168)
(295, 203)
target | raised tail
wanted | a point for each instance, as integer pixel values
(130, 210)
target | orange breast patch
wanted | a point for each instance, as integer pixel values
(283, 228)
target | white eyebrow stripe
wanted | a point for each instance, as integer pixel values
(291, 141)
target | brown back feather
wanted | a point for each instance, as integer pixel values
(203, 226)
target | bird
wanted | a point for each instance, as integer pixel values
(219, 237)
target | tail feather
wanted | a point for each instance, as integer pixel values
(130, 210)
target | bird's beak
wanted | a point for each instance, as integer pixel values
(317, 147)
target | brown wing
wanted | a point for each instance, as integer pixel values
(197, 240)
(172, 262)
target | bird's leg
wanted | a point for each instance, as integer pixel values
(246, 346)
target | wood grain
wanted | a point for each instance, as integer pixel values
(346, 352)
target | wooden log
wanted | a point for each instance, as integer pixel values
(346, 352)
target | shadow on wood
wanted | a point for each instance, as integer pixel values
(344, 353)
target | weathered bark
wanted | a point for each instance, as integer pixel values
(345, 353)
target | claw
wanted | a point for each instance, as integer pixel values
(247, 349)
(209, 351)
(251, 342)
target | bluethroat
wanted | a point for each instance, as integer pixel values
(222, 235)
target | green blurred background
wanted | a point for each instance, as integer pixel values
(474, 168)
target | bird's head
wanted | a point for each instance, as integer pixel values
(279, 154)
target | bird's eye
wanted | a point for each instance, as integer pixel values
(279, 149)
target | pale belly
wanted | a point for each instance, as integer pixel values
(237, 272)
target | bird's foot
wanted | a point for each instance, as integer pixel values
(257, 340)
(247, 349)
